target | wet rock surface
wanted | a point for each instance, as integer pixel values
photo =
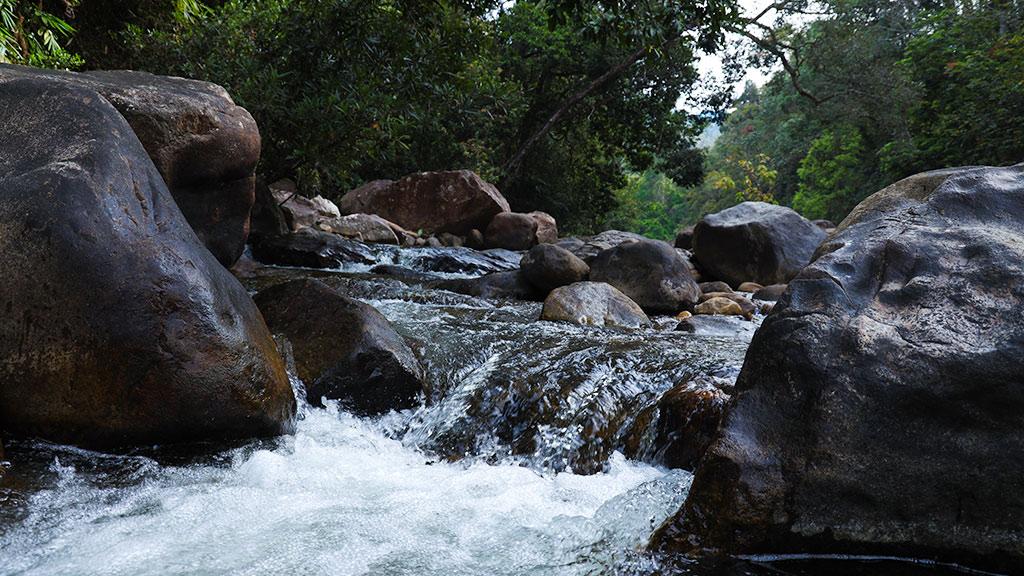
(881, 401)
(311, 248)
(204, 146)
(511, 231)
(343, 348)
(120, 327)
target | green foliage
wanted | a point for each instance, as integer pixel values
(34, 36)
(830, 174)
(650, 203)
(897, 87)
(350, 90)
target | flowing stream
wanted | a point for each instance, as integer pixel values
(514, 465)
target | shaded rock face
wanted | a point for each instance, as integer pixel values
(651, 273)
(310, 248)
(301, 212)
(684, 238)
(119, 326)
(593, 304)
(204, 146)
(547, 267)
(511, 231)
(755, 241)
(433, 202)
(344, 349)
(588, 248)
(770, 293)
(880, 408)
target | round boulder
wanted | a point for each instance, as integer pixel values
(880, 408)
(511, 231)
(755, 241)
(548, 266)
(651, 273)
(593, 304)
(547, 227)
(119, 326)
(344, 349)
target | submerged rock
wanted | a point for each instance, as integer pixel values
(344, 349)
(204, 146)
(511, 231)
(510, 284)
(547, 267)
(680, 427)
(880, 408)
(119, 327)
(755, 241)
(462, 260)
(311, 248)
(593, 304)
(651, 273)
(431, 202)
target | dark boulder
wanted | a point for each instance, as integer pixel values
(511, 231)
(684, 239)
(267, 219)
(311, 248)
(508, 285)
(755, 241)
(651, 273)
(593, 304)
(119, 327)
(431, 202)
(461, 260)
(880, 408)
(344, 349)
(204, 146)
(547, 267)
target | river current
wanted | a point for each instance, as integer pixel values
(515, 464)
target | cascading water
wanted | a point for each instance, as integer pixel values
(514, 465)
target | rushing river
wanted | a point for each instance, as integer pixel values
(513, 466)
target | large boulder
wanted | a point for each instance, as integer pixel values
(680, 426)
(434, 202)
(344, 349)
(511, 231)
(651, 273)
(204, 146)
(593, 304)
(755, 241)
(299, 211)
(363, 227)
(547, 267)
(508, 285)
(119, 327)
(880, 408)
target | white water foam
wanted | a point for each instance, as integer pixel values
(341, 498)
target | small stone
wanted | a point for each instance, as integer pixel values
(717, 286)
(719, 305)
(770, 293)
(683, 315)
(749, 287)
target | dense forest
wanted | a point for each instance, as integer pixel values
(588, 109)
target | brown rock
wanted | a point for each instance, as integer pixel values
(749, 287)
(651, 273)
(716, 286)
(719, 305)
(547, 228)
(744, 303)
(770, 293)
(430, 202)
(547, 267)
(512, 231)
(684, 239)
(475, 240)
(363, 227)
(120, 327)
(204, 146)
